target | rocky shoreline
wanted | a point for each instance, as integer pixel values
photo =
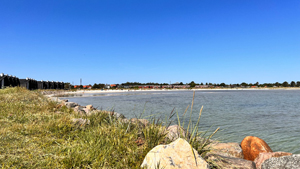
(251, 153)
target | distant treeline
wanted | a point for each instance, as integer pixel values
(193, 84)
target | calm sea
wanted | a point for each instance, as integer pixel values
(273, 115)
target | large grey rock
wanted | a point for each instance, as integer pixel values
(178, 154)
(285, 162)
(230, 162)
(264, 156)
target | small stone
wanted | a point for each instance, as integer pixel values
(252, 146)
(80, 122)
(124, 120)
(285, 162)
(175, 131)
(141, 122)
(79, 110)
(71, 104)
(60, 105)
(178, 154)
(90, 107)
(118, 115)
(144, 121)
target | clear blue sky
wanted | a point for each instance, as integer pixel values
(109, 41)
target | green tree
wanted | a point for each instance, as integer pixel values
(285, 84)
(192, 84)
(298, 84)
(223, 84)
(244, 84)
(293, 84)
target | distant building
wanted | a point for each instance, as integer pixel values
(167, 86)
(87, 87)
(29, 83)
(201, 86)
(7, 81)
(181, 86)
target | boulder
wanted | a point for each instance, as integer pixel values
(285, 162)
(227, 149)
(229, 162)
(178, 154)
(71, 104)
(174, 132)
(264, 156)
(252, 146)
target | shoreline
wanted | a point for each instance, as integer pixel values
(167, 90)
(236, 152)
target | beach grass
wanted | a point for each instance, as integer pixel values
(36, 132)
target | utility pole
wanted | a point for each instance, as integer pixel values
(80, 82)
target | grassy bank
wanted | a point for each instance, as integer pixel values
(37, 133)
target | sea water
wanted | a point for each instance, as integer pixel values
(273, 115)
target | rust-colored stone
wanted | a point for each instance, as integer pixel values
(252, 146)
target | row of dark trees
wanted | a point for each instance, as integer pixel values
(193, 84)
(244, 84)
(98, 86)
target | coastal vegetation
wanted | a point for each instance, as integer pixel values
(37, 132)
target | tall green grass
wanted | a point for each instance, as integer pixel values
(37, 133)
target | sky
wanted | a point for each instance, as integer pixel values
(163, 41)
